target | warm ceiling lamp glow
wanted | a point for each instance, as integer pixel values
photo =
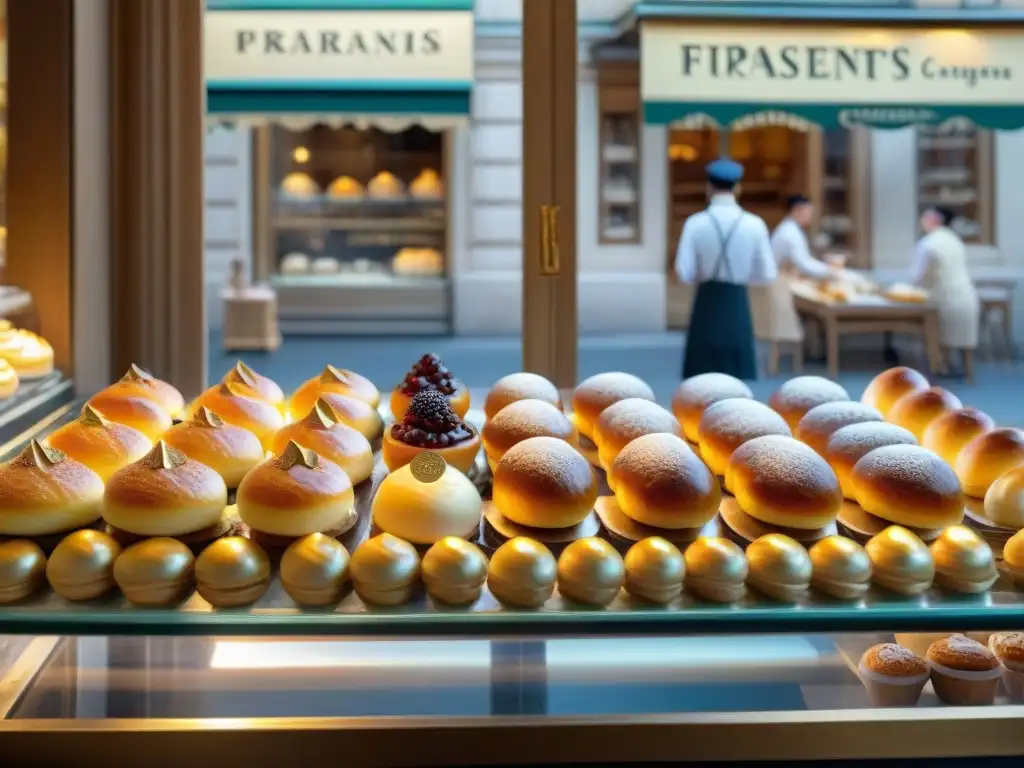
(300, 155)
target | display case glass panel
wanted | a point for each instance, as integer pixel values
(954, 170)
(620, 178)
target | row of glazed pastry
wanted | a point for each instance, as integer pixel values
(384, 186)
(23, 355)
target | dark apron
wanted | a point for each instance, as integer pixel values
(721, 334)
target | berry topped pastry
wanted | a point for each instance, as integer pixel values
(431, 424)
(429, 373)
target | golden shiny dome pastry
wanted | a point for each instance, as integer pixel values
(910, 486)
(334, 380)
(963, 561)
(384, 570)
(779, 567)
(103, 446)
(165, 494)
(454, 571)
(659, 481)
(385, 186)
(264, 388)
(44, 492)
(916, 411)
(427, 185)
(949, 433)
(140, 383)
(81, 567)
(782, 482)
(900, 561)
(232, 572)
(136, 412)
(988, 456)
(622, 422)
(8, 379)
(1004, 500)
(596, 393)
(822, 421)
(330, 440)
(693, 396)
(890, 385)
(228, 450)
(299, 185)
(355, 413)
(30, 355)
(1013, 558)
(850, 444)
(22, 570)
(799, 395)
(716, 570)
(345, 188)
(654, 570)
(544, 482)
(841, 568)
(295, 494)
(155, 572)
(238, 405)
(522, 573)
(520, 386)
(426, 501)
(314, 570)
(522, 420)
(728, 424)
(590, 571)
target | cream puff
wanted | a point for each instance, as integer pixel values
(264, 388)
(239, 406)
(595, 394)
(522, 420)
(429, 374)
(520, 386)
(819, 423)
(293, 495)
(591, 572)
(139, 383)
(522, 573)
(890, 385)
(337, 381)
(228, 450)
(146, 416)
(779, 567)
(900, 561)
(166, 494)
(841, 568)
(431, 424)
(622, 422)
(988, 456)
(910, 486)
(953, 430)
(355, 413)
(728, 424)
(916, 411)
(330, 440)
(799, 395)
(385, 570)
(696, 393)
(103, 446)
(43, 492)
(847, 446)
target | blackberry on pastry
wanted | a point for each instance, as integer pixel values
(431, 424)
(429, 373)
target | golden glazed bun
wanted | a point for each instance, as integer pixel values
(728, 424)
(917, 410)
(781, 481)
(889, 386)
(426, 512)
(909, 486)
(140, 383)
(8, 379)
(345, 188)
(385, 186)
(850, 444)
(355, 413)
(299, 185)
(522, 420)
(544, 482)
(228, 450)
(334, 380)
(238, 405)
(660, 482)
(136, 412)
(43, 492)
(103, 446)
(987, 457)
(1004, 500)
(595, 394)
(165, 494)
(264, 388)
(696, 393)
(427, 185)
(622, 422)
(296, 494)
(949, 433)
(799, 395)
(332, 441)
(520, 386)
(819, 423)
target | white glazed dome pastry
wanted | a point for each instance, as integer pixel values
(31, 356)
(427, 185)
(345, 188)
(299, 185)
(295, 263)
(385, 185)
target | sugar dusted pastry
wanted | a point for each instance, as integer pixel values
(43, 492)
(454, 571)
(988, 456)
(728, 424)
(232, 572)
(716, 570)
(799, 395)
(238, 405)
(654, 570)
(385, 570)
(596, 393)
(137, 412)
(917, 410)
(590, 571)
(522, 420)
(329, 439)
(963, 671)
(841, 568)
(430, 424)
(355, 413)
(622, 422)
(228, 450)
(951, 432)
(427, 185)
(140, 383)
(345, 188)
(963, 561)
(1009, 649)
(337, 381)
(314, 570)
(900, 561)
(8, 379)
(779, 567)
(82, 565)
(522, 573)
(264, 388)
(890, 385)
(847, 446)
(908, 485)
(22, 570)
(103, 446)
(893, 676)
(822, 421)
(385, 186)
(155, 572)
(520, 386)
(693, 396)
(429, 373)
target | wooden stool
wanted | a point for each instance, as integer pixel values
(250, 319)
(778, 348)
(996, 299)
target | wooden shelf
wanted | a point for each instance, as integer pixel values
(955, 170)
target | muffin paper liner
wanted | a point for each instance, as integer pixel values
(878, 677)
(965, 674)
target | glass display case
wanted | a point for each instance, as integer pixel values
(955, 171)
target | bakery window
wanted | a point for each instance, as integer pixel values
(841, 226)
(955, 170)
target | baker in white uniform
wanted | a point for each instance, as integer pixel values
(940, 267)
(723, 249)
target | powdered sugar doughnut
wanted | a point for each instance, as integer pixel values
(797, 396)
(728, 424)
(848, 445)
(696, 393)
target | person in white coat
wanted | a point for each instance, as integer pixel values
(723, 249)
(940, 267)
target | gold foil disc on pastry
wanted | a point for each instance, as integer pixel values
(428, 467)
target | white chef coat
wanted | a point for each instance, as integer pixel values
(789, 243)
(940, 266)
(748, 258)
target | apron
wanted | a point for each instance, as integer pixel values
(783, 323)
(721, 334)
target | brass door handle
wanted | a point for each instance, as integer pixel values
(550, 254)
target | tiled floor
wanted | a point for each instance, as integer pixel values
(656, 358)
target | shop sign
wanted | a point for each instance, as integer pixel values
(338, 47)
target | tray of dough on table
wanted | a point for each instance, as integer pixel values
(519, 509)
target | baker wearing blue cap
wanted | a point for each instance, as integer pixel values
(723, 250)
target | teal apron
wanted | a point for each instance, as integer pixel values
(721, 334)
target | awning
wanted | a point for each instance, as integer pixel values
(747, 71)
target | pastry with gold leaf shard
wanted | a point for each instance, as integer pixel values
(338, 381)
(240, 406)
(264, 388)
(138, 382)
(102, 445)
(228, 450)
(329, 439)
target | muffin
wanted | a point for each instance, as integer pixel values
(794, 399)
(1009, 649)
(693, 396)
(964, 672)
(893, 675)
(228, 450)
(103, 446)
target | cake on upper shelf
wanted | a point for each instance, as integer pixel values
(385, 186)
(419, 262)
(345, 188)
(427, 186)
(300, 186)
